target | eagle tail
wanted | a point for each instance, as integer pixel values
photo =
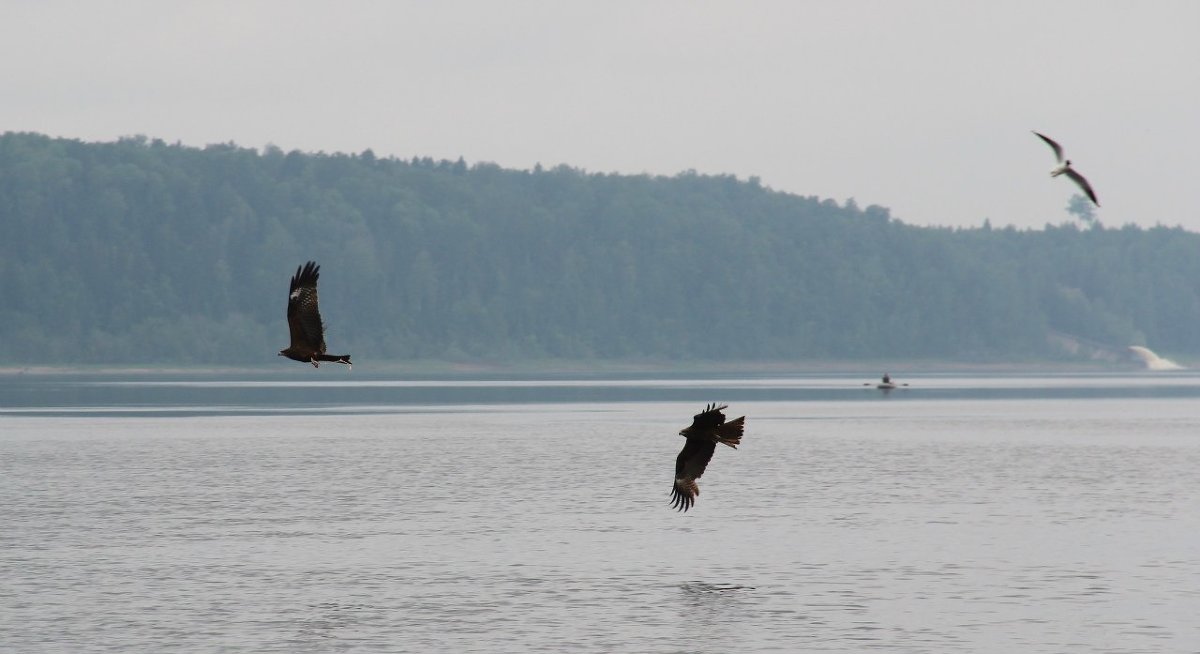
(730, 433)
(336, 358)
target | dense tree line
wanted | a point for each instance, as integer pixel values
(140, 251)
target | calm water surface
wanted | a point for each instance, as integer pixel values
(335, 513)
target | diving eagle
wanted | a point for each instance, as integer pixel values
(304, 320)
(708, 429)
(1064, 168)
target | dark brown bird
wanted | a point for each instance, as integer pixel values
(304, 320)
(708, 429)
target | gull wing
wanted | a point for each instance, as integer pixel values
(1083, 184)
(1058, 153)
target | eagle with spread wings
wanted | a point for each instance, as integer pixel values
(304, 320)
(708, 428)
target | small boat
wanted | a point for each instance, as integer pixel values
(886, 383)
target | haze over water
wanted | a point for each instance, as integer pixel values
(331, 512)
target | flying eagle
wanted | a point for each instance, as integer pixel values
(708, 429)
(304, 320)
(1064, 167)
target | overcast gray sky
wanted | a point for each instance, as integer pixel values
(922, 107)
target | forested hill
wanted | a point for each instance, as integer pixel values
(144, 252)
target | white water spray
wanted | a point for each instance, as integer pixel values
(1152, 360)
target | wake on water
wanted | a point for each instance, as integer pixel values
(1152, 360)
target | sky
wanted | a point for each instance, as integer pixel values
(925, 107)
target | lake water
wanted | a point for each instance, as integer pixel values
(335, 512)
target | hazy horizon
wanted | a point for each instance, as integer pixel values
(925, 108)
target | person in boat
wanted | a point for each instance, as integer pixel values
(887, 379)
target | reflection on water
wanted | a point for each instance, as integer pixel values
(320, 392)
(962, 517)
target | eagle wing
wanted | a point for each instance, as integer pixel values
(710, 418)
(303, 314)
(1053, 144)
(1083, 184)
(689, 465)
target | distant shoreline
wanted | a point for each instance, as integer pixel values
(580, 367)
